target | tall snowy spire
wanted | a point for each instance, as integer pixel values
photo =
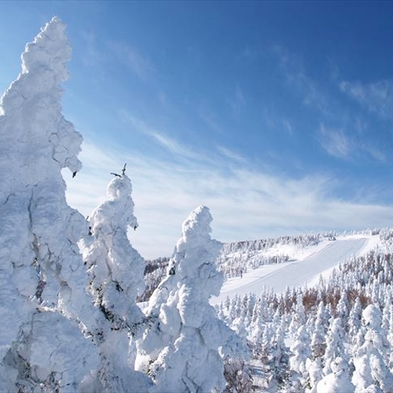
(43, 274)
(32, 122)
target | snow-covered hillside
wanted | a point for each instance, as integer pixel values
(334, 336)
(305, 266)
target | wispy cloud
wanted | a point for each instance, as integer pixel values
(288, 126)
(245, 203)
(237, 102)
(171, 145)
(133, 59)
(294, 70)
(375, 97)
(375, 153)
(277, 122)
(349, 138)
(232, 155)
(209, 118)
(335, 142)
(91, 55)
(338, 143)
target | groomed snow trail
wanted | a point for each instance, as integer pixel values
(294, 274)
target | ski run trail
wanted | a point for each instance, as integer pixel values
(319, 260)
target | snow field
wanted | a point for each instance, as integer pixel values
(309, 264)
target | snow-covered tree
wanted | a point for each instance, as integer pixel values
(354, 320)
(298, 317)
(315, 374)
(318, 337)
(238, 376)
(116, 278)
(279, 367)
(44, 305)
(370, 359)
(301, 351)
(342, 306)
(266, 347)
(335, 344)
(183, 349)
(338, 380)
(362, 377)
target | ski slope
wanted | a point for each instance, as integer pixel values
(296, 273)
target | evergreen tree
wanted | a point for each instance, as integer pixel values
(280, 358)
(354, 320)
(266, 348)
(318, 338)
(116, 278)
(315, 374)
(370, 359)
(238, 376)
(183, 349)
(342, 307)
(334, 345)
(298, 316)
(45, 307)
(338, 380)
(300, 351)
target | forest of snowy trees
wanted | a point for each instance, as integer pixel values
(70, 286)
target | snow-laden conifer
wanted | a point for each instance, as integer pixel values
(183, 349)
(354, 320)
(280, 357)
(390, 332)
(335, 344)
(370, 359)
(44, 305)
(266, 347)
(300, 351)
(315, 374)
(338, 380)
(342, 306)
(116, 278)
(299, 316)
(318, 336)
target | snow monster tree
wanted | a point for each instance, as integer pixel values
(44, 306)
(184, 347)
(116, 278)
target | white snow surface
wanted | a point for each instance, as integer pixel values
(305, 267)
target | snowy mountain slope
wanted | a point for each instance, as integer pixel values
(236, 258)
(303, 270)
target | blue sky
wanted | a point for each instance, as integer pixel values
(276, 115)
